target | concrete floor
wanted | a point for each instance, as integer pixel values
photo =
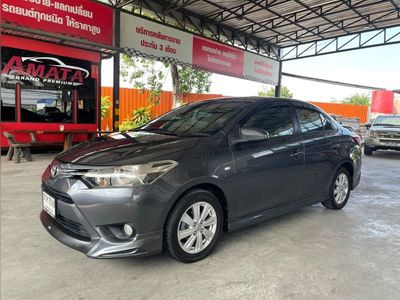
(310, 254)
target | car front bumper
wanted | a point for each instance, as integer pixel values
(378, 143)
(101, 247)
(90, 220)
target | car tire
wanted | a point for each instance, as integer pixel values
(367, 150)
(339, 191)
(185, 232)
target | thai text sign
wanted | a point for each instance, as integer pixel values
(156, 41)
(81, 19)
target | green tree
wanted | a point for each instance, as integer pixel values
(105, 107)
(146, 74)
(285, 92)
(150, 75)
(357, 99)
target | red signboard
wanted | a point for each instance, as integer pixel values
(217, 57)
(81, 19)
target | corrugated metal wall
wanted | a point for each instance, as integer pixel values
(131, 99)
(345, 110)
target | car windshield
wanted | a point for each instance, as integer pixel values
(387, 121)
(200, 119)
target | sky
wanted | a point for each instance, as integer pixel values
(377, 66)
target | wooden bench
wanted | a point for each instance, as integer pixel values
(17, 150)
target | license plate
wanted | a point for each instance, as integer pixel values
(49, 204)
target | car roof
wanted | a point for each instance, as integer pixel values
(259, 99)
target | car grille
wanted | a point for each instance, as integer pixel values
(389, 136)
(72, 226)
(393, 138)
(56, 194)
(68, 224)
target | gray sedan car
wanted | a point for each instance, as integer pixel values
(183, 179)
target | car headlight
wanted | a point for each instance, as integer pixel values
(373, 134)
(131, 175)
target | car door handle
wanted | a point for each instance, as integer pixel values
(297, 154)
(335, 146)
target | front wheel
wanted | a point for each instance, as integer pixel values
(367, 150)
(194, 226)
(339, 192)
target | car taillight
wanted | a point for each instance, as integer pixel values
(356, 139)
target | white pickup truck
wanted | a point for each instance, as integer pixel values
(384, 133)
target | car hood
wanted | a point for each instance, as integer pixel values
(388, 129)
(127, 148)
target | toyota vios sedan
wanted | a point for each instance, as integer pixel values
(181, 180)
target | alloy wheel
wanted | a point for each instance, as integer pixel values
(197, 227)
(341, 188)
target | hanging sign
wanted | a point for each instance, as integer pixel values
(160, 42)
(80, 19)
(155, 40)
(260, 68)
(217, 57)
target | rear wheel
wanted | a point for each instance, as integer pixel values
(340, 190)
(367, 150)
(194, 226)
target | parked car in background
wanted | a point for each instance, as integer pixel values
(181, 180)
(383, 134)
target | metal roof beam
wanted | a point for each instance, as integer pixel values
(302, 15)
(342, 43)
(343, 23)
(284, 17)
(321, 15)
(349, 5)
(351, 25)
(194, 23)
(245, 18)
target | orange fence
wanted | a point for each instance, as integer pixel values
(345, 110)
(131, 99)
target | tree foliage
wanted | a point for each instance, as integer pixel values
(138, 117)
(357, 99)
(193, 80)
(285, 92)
(146, 74)
(105, 107)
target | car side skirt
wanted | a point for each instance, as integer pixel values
(273, 212)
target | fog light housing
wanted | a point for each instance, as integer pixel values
(128, 230)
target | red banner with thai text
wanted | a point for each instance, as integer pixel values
(217, 57)
(79, 19)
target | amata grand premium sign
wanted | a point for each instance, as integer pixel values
(156, 41)
(30, 68)
(80, 19)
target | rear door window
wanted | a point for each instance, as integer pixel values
(311, 120)
(277, 120)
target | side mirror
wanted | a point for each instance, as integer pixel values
(368, 125)
(251, 134)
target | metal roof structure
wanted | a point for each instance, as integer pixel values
(277, 28)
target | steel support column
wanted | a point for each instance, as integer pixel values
(116, 71)
(279, 85)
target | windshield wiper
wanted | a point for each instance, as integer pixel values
(195, 134)
(390, 125)
(158, 130)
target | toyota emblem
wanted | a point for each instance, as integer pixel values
(54, 171)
